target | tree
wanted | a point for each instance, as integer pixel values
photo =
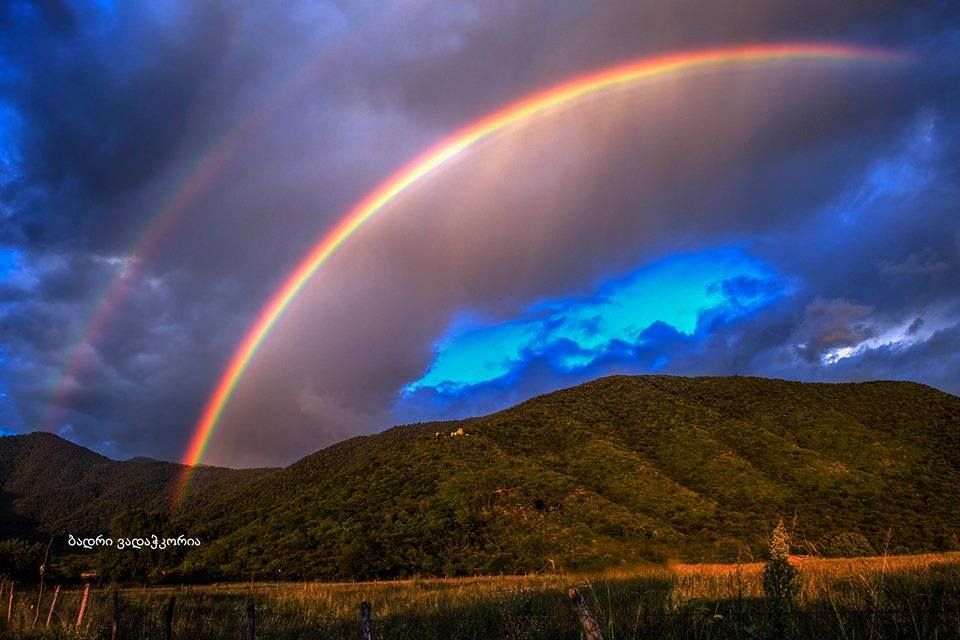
(780, 584)
(20, 559)
(848, 544)
(136, 564)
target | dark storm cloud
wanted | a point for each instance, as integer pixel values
(928, 261)
(101, 115)
(113, 111)
(935, 360)
(507, 48)
(844, 182)
(56, 15)
(831, 324)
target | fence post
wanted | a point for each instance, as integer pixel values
(115, 627)
(53, 605)
(251, 620)
(43, 570)
(36, 614)
(366, 621)
(168, 619)
(83, 606)
(10, 604)
(591, 630)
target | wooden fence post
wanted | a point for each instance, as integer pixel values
(36, 614)
(168, 619)
(10, 604)
(115, 627)
(43, 570)
(53, 605)
(366, 621)
(591, 630)
(83, 606)
(251, 620)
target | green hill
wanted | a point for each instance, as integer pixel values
(619, 470)
(51, 486)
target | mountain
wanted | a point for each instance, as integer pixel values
(618, 470)
(51, 486)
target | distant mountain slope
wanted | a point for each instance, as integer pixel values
(49, 485)
(616, 470)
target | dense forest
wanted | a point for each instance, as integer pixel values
(618, 470)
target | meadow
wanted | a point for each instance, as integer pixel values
(915, 596)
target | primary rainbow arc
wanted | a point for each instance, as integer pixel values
(518, 113)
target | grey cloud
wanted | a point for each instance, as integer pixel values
(927, 262)
(344, 93)
(935, 361)
(831, 324)
(915, 326)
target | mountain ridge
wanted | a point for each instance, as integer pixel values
(619, 469)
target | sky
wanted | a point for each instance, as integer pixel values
(165, 165)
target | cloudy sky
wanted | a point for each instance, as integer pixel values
(164, 165)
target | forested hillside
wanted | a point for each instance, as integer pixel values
(619, 470)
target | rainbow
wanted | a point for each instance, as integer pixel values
(536, 105)
(174, 208)
(165, 219)
(145, 246)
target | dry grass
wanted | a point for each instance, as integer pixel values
(862, 597)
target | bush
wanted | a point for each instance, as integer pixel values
(780, 584)
(20, 559)
(848, 544)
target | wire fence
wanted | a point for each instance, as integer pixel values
(108, 613)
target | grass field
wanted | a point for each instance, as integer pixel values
(882, 597)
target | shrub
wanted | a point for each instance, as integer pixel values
(20, 559)
(780, 584)
(848, 544)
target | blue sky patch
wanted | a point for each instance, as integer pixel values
(573, 333)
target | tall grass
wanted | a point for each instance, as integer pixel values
(871, 598)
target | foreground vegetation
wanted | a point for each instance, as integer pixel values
(893, 597)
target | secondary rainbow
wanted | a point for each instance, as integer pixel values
(207, 168)
(428, 162)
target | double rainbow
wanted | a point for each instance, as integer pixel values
(422, 166)
(207, 167)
